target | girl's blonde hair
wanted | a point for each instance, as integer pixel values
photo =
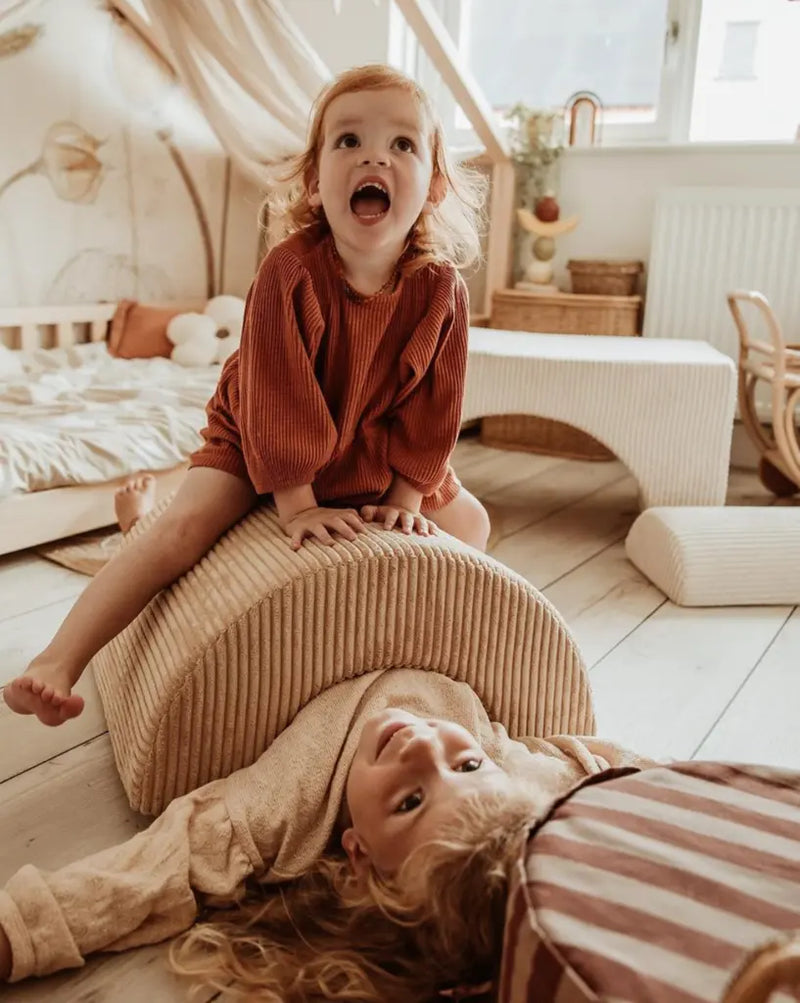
(450, 232)
(435, 926)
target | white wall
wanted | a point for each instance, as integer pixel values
(613, 190)
(97, 144)
(358, 34)
(730, 101)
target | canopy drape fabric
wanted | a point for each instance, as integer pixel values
(251, 71)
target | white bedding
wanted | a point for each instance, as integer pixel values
(80, 416)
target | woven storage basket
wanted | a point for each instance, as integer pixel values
(604, 277)
(530, 434)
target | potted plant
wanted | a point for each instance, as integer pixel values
(536, 148)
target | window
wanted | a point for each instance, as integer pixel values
(739, 51)
(747, 79)
(541, 57)
(541, 52)
(663, 70)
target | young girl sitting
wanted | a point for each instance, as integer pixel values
(343, 402)
(380, 825)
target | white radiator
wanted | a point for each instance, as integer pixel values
(709, 241)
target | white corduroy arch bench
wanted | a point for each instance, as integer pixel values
(663, 406)
(218, 664)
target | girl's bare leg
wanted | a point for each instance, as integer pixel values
(464, 518)
(207, 504)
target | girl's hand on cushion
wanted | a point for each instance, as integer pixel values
(319, 523)
(392, 516)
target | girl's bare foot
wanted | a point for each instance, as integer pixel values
(44, 690)
(133, 500)
(45, 687)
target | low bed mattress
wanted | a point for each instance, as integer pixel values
(81, 416)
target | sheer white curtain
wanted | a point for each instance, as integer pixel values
(250, 69)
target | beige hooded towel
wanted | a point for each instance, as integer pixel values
(272, 819)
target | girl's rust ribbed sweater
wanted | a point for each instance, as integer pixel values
(338, 391)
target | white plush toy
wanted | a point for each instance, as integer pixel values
(211, 336)
(10, 363)
(228, 312)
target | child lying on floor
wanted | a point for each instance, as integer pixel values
(387, 815)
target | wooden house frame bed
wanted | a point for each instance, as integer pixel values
(31, 518)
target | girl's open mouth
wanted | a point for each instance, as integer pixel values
(387, 734)
(371, 201)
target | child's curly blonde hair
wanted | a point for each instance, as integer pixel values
(435, 926)
(450, 232)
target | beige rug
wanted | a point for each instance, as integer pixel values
(86, 553)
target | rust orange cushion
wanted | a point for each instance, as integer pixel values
(139, 331)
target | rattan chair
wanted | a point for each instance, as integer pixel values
(777, 364)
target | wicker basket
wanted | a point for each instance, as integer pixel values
(530, 434)
(604, 277)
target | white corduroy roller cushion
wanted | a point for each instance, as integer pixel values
(713, 556)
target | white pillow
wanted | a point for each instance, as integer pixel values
(720, 556)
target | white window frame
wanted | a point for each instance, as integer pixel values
(682, 32)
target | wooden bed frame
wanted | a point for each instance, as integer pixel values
(26, 520)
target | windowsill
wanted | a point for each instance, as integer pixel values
(478, 155)
(765, 146)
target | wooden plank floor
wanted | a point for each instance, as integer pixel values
(672, 682)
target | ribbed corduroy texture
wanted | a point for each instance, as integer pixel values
(340, 391)
(665, 407)
(738, 556)
(217, 665)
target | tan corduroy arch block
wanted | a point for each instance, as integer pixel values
(218, 665)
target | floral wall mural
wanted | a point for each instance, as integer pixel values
(111, 183)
